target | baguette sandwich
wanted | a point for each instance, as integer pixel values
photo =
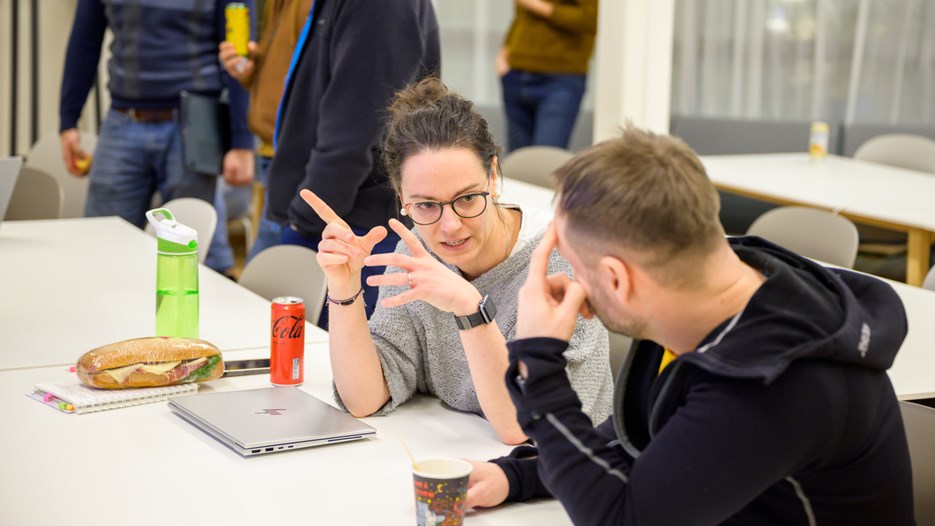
(150, 362)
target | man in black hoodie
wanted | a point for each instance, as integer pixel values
(757, 391)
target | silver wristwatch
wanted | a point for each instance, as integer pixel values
(485, 314)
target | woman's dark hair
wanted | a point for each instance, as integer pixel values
(426, 115)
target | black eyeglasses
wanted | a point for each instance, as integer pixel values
(428, 212)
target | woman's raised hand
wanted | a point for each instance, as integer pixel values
(427, 278)
(341, 253)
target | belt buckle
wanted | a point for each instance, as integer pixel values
(132, 114)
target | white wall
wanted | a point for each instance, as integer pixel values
(634, 64)
(55, 20)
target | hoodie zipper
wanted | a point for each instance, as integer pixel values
(657, 403)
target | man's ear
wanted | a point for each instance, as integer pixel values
(616, 277)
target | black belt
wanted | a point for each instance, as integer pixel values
(144, 115)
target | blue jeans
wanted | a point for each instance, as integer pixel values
(269, 232)
(541, 108)
(291, 237)
(132, 161)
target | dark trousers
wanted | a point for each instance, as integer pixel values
(541, 108)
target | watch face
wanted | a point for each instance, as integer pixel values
(488, 309)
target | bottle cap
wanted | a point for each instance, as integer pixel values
(174, 237)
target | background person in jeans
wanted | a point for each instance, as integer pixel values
(543, 65)
(157, 53)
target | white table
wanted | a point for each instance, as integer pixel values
(70, 285)
(869, 193)
(148, 466)
(527, 195)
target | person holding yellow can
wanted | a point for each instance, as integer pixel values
(262, 69)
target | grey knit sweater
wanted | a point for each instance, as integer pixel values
(421, 352)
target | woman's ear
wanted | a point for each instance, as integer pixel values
(495, 179)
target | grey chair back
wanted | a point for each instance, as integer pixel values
(197, 214)
(288, 270)
(619, 348)
(919, 421)
(811, 233)
(534, 164)
(856, 134)
(929, 282)
(37, 195)
(46, 155)
(913, 152)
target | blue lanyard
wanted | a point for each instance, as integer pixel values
(296, 55)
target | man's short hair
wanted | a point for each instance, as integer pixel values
(648, 197)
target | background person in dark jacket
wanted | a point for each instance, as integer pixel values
(354, 55)
(776, 408)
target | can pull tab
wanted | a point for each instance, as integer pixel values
(168, 229)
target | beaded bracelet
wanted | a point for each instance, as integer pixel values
(346, 302)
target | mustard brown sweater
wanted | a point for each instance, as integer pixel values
(561, 43)
(282, 21)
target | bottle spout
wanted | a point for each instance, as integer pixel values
(173, 236)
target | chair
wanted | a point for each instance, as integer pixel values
(288, 270)
(534, 164)
(619, 348)
(37, 195)
(929, 282)
(913, 152)
(919, 421)
(197, 214)
(46, 155)
(810, 232)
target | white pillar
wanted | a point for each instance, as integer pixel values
(633, 66)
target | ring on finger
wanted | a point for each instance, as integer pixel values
(409, 279)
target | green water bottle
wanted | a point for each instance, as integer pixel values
(176, 276)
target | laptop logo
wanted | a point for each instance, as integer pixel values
(272, 412)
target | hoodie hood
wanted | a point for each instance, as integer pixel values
(803, 310)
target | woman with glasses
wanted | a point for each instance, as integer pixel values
(448, 298)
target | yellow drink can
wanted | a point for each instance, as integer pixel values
(237, 17)
(818, 140)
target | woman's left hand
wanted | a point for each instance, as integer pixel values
(427, 278)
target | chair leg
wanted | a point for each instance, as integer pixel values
(249, 232)
(259, 199)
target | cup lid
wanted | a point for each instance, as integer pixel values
(174, 237)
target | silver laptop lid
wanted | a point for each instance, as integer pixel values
(9, 171)
(269, 417)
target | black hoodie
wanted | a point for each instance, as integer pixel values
(783, 415)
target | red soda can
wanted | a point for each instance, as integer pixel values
(287, 341)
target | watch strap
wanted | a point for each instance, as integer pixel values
(485, 314)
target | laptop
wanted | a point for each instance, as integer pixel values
(269, 420)
(9, 171)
